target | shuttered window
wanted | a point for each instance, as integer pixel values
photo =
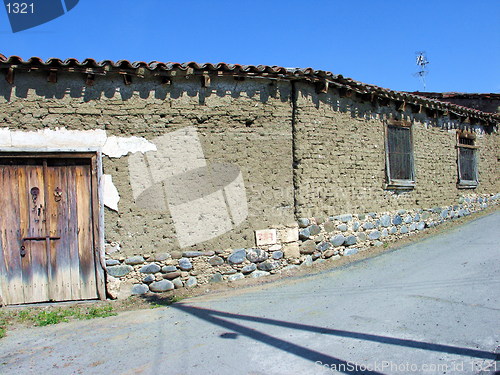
(467, 161)
(399, 154)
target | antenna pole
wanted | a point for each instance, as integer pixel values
(421, 63)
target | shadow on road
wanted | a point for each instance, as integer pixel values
(216, 317)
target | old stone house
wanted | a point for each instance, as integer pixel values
(153, 176)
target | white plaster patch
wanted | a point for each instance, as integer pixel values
(64, 139)
(110, 192)
(48, 138)
(116, 147)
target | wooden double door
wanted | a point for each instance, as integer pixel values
(48, 230)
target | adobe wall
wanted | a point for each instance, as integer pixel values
(340, 157)
(488, 162)
(313, 171)
(244, 123)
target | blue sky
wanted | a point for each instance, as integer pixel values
(372, 41)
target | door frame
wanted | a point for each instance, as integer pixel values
(95, 157)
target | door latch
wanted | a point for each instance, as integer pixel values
(46, 238)
(58, 194)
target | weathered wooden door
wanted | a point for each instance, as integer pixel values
(46, 230)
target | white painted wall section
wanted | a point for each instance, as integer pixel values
(116, 147)
(110, 194)
(64, 139)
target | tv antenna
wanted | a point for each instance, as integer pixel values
(421, 63)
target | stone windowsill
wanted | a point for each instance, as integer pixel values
(467, 184)
(400, 185)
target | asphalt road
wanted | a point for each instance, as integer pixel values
(429, 308)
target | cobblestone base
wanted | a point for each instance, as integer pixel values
(311, 240)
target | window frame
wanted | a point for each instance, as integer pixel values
(461, 183)
(393, 183)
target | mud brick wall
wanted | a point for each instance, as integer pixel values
(340, 157)
(313, 167)
(320, 155)
(488, 163)
(246, 123)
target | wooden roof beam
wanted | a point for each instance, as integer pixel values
(205, 80)
(9, 75)
(52, 76)
(90, 79)
(345, 92)
(321, 87)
